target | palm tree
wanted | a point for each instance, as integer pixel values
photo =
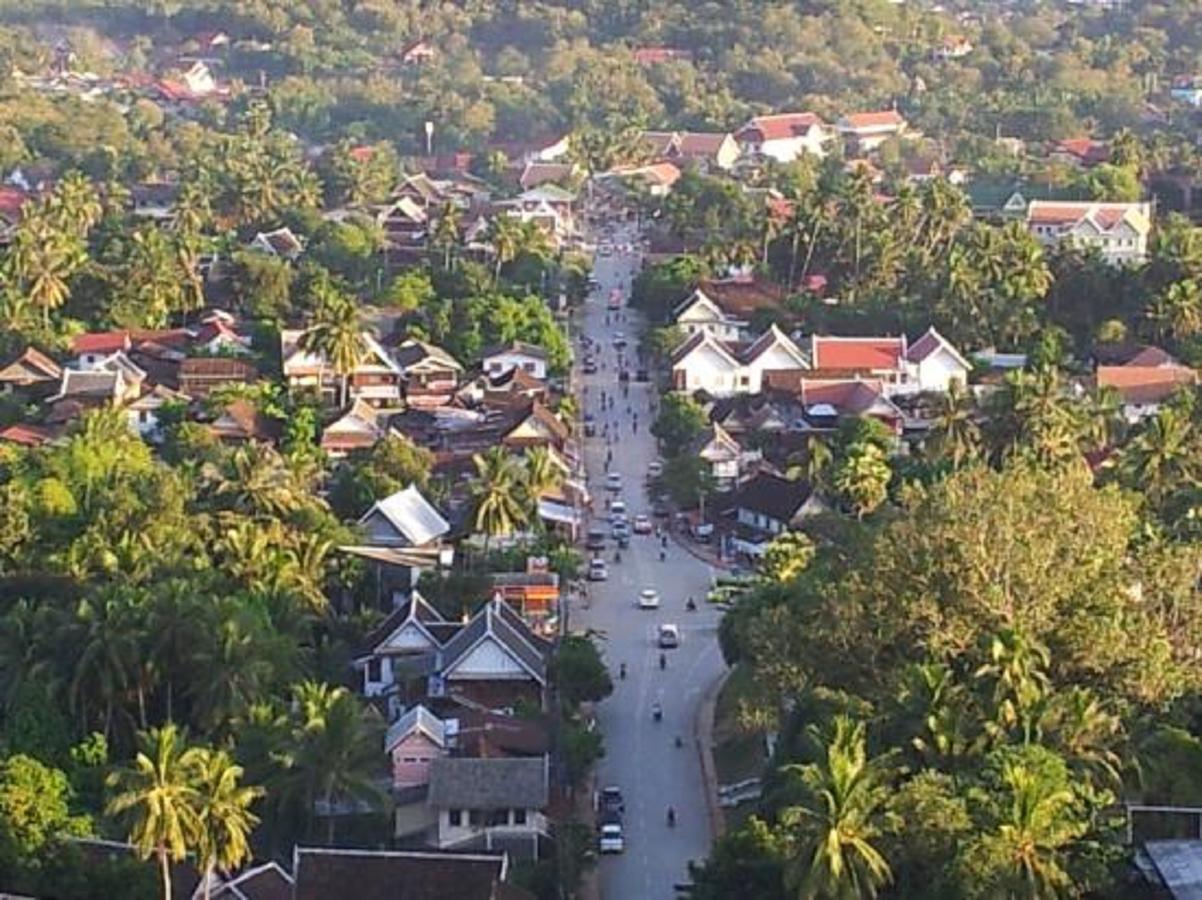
(445, 233)
(1017, 668)
(504, 234)
(835, 825)
(818, 460)
(543, 475)
(1162, 457)
(957, 437)
(1176, 312)
(74, 205)
(224, 819)
(497, 494)
(335, 751)
(42, 259)
(863, 477)
(254, 480)
(336, 334)
(159, 797)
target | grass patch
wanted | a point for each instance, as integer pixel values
(738, 754)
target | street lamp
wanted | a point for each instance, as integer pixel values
(429, 138)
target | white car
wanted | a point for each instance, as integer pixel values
(617, 510)
(642, 524)
(612, 839)
(648, 598)
(669, 636)
(613, 481)
(656, 468)
(597, 570)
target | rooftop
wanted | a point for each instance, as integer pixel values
(489, 783)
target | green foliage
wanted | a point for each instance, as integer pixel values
(578, 672)
(35, 812)
(681, 421)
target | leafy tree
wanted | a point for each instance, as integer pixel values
(681, 420)
(862, 478)
(580, 675)
(787, 556)
(336, 334)
(35, 812)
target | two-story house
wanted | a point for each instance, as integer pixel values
(724, 307)
(720, 369)
(1118, 231)
(431, 373)
(31, 376)
(866, 131)
(376, 377)
(931, 363)
(491, 804)
(500, 358)
(769, 504)
(784, 136)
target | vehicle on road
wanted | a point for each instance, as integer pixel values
(660, 509)
(590, 425)
(612, 840)
(613, 481)
(648, 598)
(642, 524)
(619, 339)
(642, 375)
(596, 539)
(617, 509)
(610, 800)
(590, 366)
(656, 468)
(597, 570)
(620, 530)
(615, 299)
(669, 636)
(624, 540)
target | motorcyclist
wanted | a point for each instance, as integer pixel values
(622, 671)
(663, 661)
(671, 817)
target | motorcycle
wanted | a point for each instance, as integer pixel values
(657, 712)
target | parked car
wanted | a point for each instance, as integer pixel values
(613, 481)
(648, 598)
(617, 509)
(620, 530)
(669, 636)
(656, 468)
(611, 840)
(597, 570)
(642, 524)
(596, 539)
(660, 509)
(610, 800)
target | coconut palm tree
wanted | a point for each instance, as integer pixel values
(1176, 312)
(957, 437)
(1162, 456)
(254, 480)
(336, 334)
(42, 260)
(863, 478)
(446, 233)
(74, 205)
(834, 826)
(497, 494)
(159, 797)
(224, 820)
(504, 234)
(818, 460)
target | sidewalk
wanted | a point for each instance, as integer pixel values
(702, 552)
(705, 751)
(590, 881)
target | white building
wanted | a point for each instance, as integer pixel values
(704, 363)
(784, 137)
(502, 358)
(866, 131)
(1119, 231)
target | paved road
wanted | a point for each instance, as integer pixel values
(641, 757)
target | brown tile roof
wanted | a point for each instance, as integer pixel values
(874, 119)
(743, 296)
(245, 423)
(26, 435)
(778, 127)
(31, 366)
(217, 367)
(1145, 384)
(327, 874)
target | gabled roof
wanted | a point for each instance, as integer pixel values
(698, 340)
(545, 417)
(930, 343)
(718, 439)
(772, 496)
(358, 428)
(1152, 356)
(515, 783)
(515, 347)
(743, 297)
(1085, 150)
(780, 126)
(497, 620)
(266, 882)
(1145, 384)
(540, 173)
(120, 362)
(280, 241)
(1104, 217)
(549, 193)
(415, 611)
(847, 398)
(872, 120)
(773, 337)
(324, 873)
(241, 420)
(417, 719)
(214, 367)
(96, 383)
(875, 354)
(413, 351)
(411, 514)
(100, 342)
(30, 367)
(26, 435)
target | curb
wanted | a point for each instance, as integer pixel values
(688, 548)
(704, 737)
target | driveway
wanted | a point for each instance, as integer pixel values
(641, 757)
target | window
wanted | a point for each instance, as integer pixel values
(529, 367)
(519, 817)
(475, 817)
(498, 817)
(373, 669)
(455, 816)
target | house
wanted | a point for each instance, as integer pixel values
(1118, 231)
(418, 53)
(357, 429)
(726, 458)
(281, 242)
(241, 422)
(262, 882)
(826, 402)
(199, 376)
(537, 427)
(549, 206)
(32, 375)
(658, 56)
(405, 222)
(1144, 389)
(720, 369)
(653, 179)
(90, 349)
(376, 378)
(534, 593)
(931, 363)
(414, 741)
(491, 804)
(514, 388)
(430, 374)
(953, 46)
(866, 131)
(217, 336)
(199, 80)
(770, 503)
(143, 413)
(404, 519)
(23, 435)
(723, 308)
(325, 873)
(1080, 153)
(707, 150)
(96, 387)
(784, 136)
(413, 630)
(538, 173)
(494, 661)
(500, 358)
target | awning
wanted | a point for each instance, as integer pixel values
(409, 557)
(559, 513)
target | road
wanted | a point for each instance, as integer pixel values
(641, 757)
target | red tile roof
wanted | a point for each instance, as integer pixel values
(874, 119)
(26, 435)
(100, 342)
(778, 127)
(12, 200)
(874, 354)
(1145, 384)
(1084, 150)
